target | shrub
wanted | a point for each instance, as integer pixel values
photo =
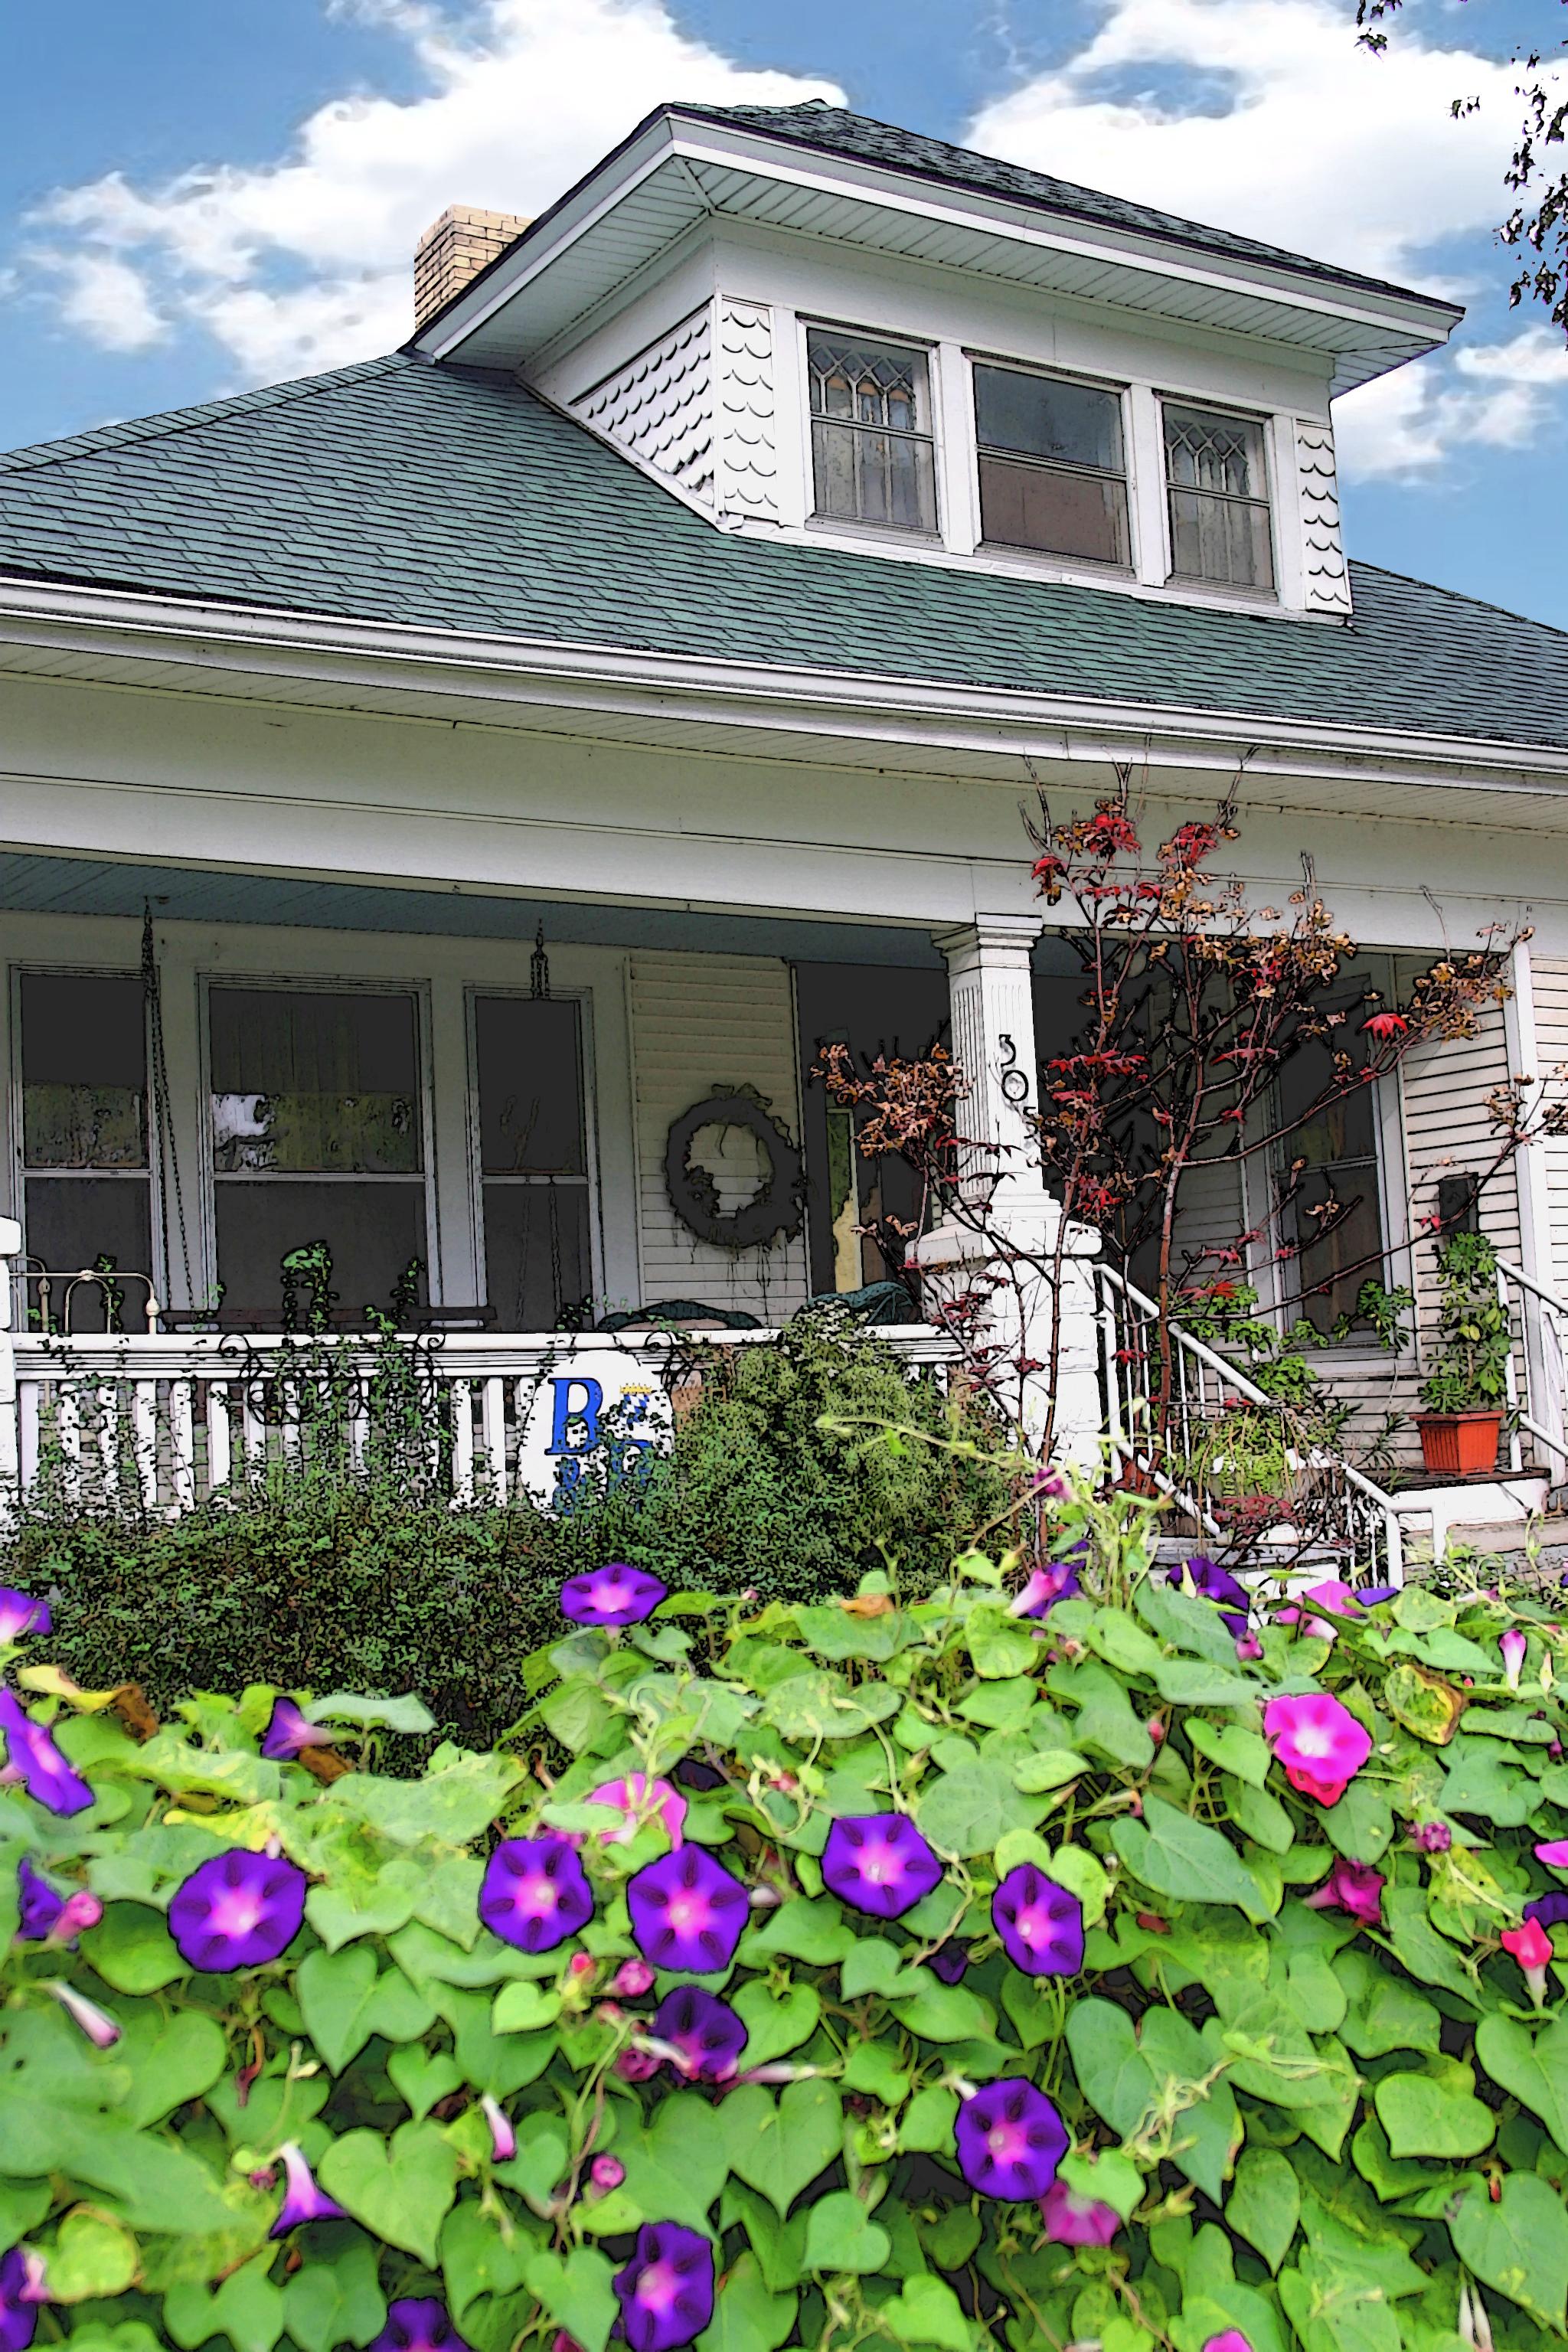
(1239, 1950)
(339, 1582)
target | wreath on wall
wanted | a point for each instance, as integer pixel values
(773, 1211)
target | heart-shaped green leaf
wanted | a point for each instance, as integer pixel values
(1534, 2070)
(676, 2161)
(840, 2235)
(1426, 2116)
(1265, 2202)
(578, 2294)
(421, 2076)
(400, 2189)
(344, 2000)
(926, 2311)
(132, 1950)
(775, 2020)
(746, 2317)
(335, 2298)
(479, 2257)
(246, 2308)
(1520, 2246)
(778, 2148)
(171, 2059)
(92, 2256)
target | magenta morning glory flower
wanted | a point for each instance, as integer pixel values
(1040, 1924)
(640, 1799)
(1436, 1837)
(1010, 2139)
(289, 1733)
(21, 2292)
(615, 1595)
(238, 1911)
(29, 1750)
(1353, 1886)
(1554, 1854)
(606, 2172)
(687, 1912)
(878, 1863)
(1319, 1742)
(1514, 1646)
(707, 2033)
(97, 2024)
(303, 2200)
(503, 2139)
(534, 1893)
(20, 1613)
(418, 2323)
(1229, 2339)
(666, 2289)
(1074, 2221)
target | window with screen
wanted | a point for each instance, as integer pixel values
(872, 455)
(86, 1184)
(1217, 489)
(533, 1160)
(1053, 471)
(317, 1136)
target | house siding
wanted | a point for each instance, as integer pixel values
(1551, 980)
(700, 1025)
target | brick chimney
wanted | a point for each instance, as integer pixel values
(453, 251)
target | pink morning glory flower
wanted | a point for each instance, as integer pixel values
(1040, 1924)
(29, 1750)
(687, 1912)
(238, 1910)
(1319, 1742)
(615, 1595)
(666, 2291)
(303, 2200)
(641, 1800)
(1042, 1591)
(503, 2139)
(1009, 2139)
(1554, 1853)
(1434, 1837)
(44, 1916)
(1531, 1947)
(1353, 1886)
(534, 1893)
(418, 2323)
(1074, 2221)
(20, 1613)
(1248, 1647)
(878, 1863)
(290, 1732)
(1514, 1646)
(707, 2033)
(1229, 2339)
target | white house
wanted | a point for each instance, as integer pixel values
(428, 783)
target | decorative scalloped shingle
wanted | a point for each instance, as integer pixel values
(748, 438)
(1328, 578)
(660, 405)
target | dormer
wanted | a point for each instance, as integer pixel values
(810, 326)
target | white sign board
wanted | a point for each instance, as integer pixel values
(597, 1417)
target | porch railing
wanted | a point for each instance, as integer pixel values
(1538, 1367)
(1350, 1522)
(163, 1421)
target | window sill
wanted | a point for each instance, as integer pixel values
(1092, 566)
(875, 534)
(1222, 592)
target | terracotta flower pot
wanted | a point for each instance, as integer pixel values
(1458, 1442)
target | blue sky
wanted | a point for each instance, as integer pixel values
(197, 198)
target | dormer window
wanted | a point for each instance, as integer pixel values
(1053, 474)
(1218, 486)
(873, 459)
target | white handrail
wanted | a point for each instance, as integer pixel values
(1544, 1379)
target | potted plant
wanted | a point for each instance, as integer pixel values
(1466, 1393)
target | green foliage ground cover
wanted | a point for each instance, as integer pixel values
(1313, 2096)
(369, 1584)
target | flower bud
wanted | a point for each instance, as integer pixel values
(632, 1979)
(606, 2172)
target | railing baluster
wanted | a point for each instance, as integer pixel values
(220, 1435)
(106, 1404)
(144, 1438)
(462, 1442)
(493, 1426)
(182, 1444)
(27, 1431)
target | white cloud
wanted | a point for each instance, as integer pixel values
(307, 262)
(1262, 116)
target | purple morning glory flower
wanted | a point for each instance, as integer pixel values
(289, 1733)
(20, 1613)
(878, 1863)
(1010, 2139)
(1548, 1910)
(303, 2200)
(615, 1595)
(949, 1964)
(21, 2292)
(418, 2323)
(534, 1893)
(1040, 1924)
(37, 1904)
(29, 1750)
(666, 2289)
(1039, 1596)
(1370, 1595)
(687, 1913)
(238, 1911)
(707, 2033)
(1212, 1582)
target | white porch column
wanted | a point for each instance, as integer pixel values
(10, 1449)
(1006, 1224)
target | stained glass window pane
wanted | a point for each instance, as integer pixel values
(1218, 487)
(873, 460)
